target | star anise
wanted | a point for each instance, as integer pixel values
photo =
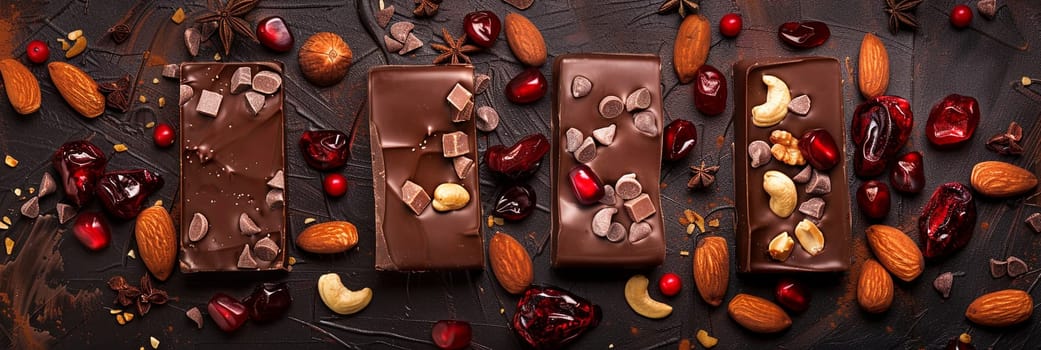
(143, 298)
(117, 93)
(1007, 143)
(702, 176)
(426, 8)
(901, 14)
(684, 7)
(227, 16)
(455, 51)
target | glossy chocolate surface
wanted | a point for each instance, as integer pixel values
(820, 79)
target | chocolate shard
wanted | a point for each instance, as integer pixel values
(637, 100)
(573, 139)
(392, 45)
(254, 102)
(609, 197)
(186, 94)
(799, 105)
(463, 165)
(611, 107)
(384, 15)
(481, 83)
(198, 228)
(759, 152)
(459, 97)
(639, 208)
(580, 86)
(1016, 267)
(195, 315)
(192, 40)
(998, 268)
(813, 207)
(943, 284)
(171, 71)
(586, 152)
(47, 185)
(31, 207)
(464, 114)
(820, 183)
(415, 197)
(266, 249)
(65, 212)
(627, 187)
(246, 260)
(646, 122)
(247, 226)
(1034, 221)
(241, 80)
(616, 233)
(275, 198)
(639, 231)
(605, 135)
(602, 221)
(487, 119)
(455, 144)
(803, 176)
(278, 180)
(411, 43)
(209, 103)
(400, 30)
(267, 82)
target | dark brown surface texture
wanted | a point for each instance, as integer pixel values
(61, 301)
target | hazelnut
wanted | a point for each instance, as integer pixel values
(324, 59)
(449, 196)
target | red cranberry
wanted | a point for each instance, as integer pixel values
(515, 202)
(804, 35)
(873, 199)
(451, 334)
(586, 186)
(908, 175)
(952, 121)
(37, 51)
(229, 314)
(881, 126)
(273, 33)
(163, 135)
(482, 27)
(680, 137)
(325, 149)
(122, 192)
(961, 16)
(335, 185)
(550, 318)
(670, 284)
(710, 90)
(92, 230)
(527, 87)
(792, 295)
(80, 164)
(518, 161)
(947, 220)
(730, 25)
(819, 149)
(268, 302)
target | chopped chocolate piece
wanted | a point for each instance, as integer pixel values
(401, 30)
(254, 102)
(586, 152)
(943, 284)
(481, 83)
(580, 86)
(611, 106)
(411, 43)
(266, 249)
(392, 45)
(1016, 267)
(384, 15)
(47, 185)
(247, 226)
(574, 140)
(31, 207)
(627, 187)
(186, 94)
(275, 198)
(616, 233)
(646, 122)
(813, 207)
(465, 114)
(192, 39)
(459, 97)
(195, 315)
(278, 180)
(462, 165)
(455, 144)
(209, 103)
(65, 212)
(759, 151)
(267, 82)
(602, 221)
(639, 99)
(605, 135)
(1034, 221)
(998, 268)
(415, 197)
(804, 175)
(246, 260)
(640, 207)
(487, 119)
(638, 231)
(820, 183)
(171, 70)
(198, 227)
(609, 195)
(241, 80)
(799, 105)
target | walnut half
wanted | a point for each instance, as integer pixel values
(786, 148)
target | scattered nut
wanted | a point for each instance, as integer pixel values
(875, 288)
(706, 340)
(782, 193)
(10, 161)
(450, 196)
(640, 300)
(775, 108)
(786, 148)
(781, 246)
(810, 237)
(338, 298)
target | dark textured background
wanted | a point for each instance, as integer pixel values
(981, 61)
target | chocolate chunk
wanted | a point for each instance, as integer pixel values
(611, 106)
(639, 99)
(627, 187)
(411, 43)
(415, 197)
(65, 212)
(487, 119)
(241, 80)
(186, 94)
(278, 180)
(1016, 267)
(609, 195)
(247, 226)
(820, 183)
(47, 185)
(275, 198)
(616, 233)
(195, 315)
(520, 4)
(192, 39)
(587, 151)
(31, 207)
(266, 249)
(384, 15)
(246, 260)
(1034, 221)
(602, 221)
(198, 228)
(209, 103)
(254, 102)
(267, 82)
(580, 86)
(464, 114)
(998, 268)
(573, 139)
(455, 144)
(943, 284)
(171, 70)
(639, 208)
(401, 30)
(638, 231)
(463, 165)
(481, 83)
(392, 45)
(813, 207)
(605, 135)
(803, 176)
(799, 105)
(459, 97)
(759, 151)
(646, 122)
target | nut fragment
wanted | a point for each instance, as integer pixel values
(781, 246)
(782, 193)
(450, 196)
(640, 300)
(705, 339)
(775, 108)
(786, 148)
(759, 152)
(338, 298)
(810, 237)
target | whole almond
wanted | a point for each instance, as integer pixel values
(896, 251)
(757, 314)
(156, 241)
(1001, 309)
(1000, 179)
(328, 237)
(873, 67)
(712, 269)
(691, 48)
(78, 89)
(525, 40)
(875, 288)
(22, 88)
(511, 263)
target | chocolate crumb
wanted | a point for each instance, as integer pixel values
(520, 4)
(627, 187)
(813, 207)
(383, 16)
(573, 139)
(609, 195)
(481, 83)
(586, 152)
(943, 284)
(195, 315)
(799, 105)
(646, 123)
(804, 175)
(638, 231)
(198, 227)
(247, 226)
(1016, 267)
(998, 268)
(759, 152)
(455, 144)
(192, 40)
(462, 165)
(819, 184)
(605, 135)
(640, 208)
(266, 249)
(487, 119)
(31, 207)
(246, 260)
(611, 106)
(616, 233)
(65, 212)
(415, 197)
(602, 221)
(1034, 221)
(637, 100)
(987, 8)
(580, 86)
(47, 185)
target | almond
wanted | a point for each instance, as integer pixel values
(22, 88)
(757, 314)
(691, 48)
(156, 241)
(873, 67)
(712, 269)
(875, 288)
(1000, 179)
(525, 40)
(896, 251)
(78, 89)
(328, 237)
(511, 263)
(1001, 309)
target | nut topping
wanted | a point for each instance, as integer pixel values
(786, 148)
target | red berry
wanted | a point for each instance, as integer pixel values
(710, 90)
(335, 185)
(325, 149)
(804, 35)
(820, 150)
(80, 164)
(948, 220)
(586, 186)
(873, 199)
(515, 202)
(163, 135)
(268, 302)
(37, 51)
(670, 284)
(730, 25)
(527, 87)
(961, 16)
(92, 230)
(229, 314)
(482, 27)
(792, 295)
(123, 192)
(451, 334)
(952, 121)
(680, 137)
(273, 33)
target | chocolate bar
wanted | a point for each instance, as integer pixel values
(814, 86)
(423, 144)
(607, 114)
(232, 166)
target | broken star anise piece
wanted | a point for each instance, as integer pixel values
(684, 7)
(150, 296)
(1007, 143)
(117, 93)
(228, 18)
(702, 176)
(901, 14)
(454, 51)
(426, 8)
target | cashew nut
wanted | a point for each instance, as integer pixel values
(775, 108)
(810, 237)
(449, 196)
(638, 298)
(340, 299)
(782, 192)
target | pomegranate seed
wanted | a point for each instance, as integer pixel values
(804, 35)
(819, 149)
(680, 137)
(961, 16)
(873, 199)
(518, 161)
(325, 149)
(881, 126)
(37, 51)
(908, 175)
(586, 186)
(527, 87)
(792, 295)
(550, 318)
(482, 27)
(268, 302)
(123, 192)
(273, 33)
(670, 284)
(515, 202)
(451, 334)
(229, 314)
(335, 185)
(730, 25)
(948, 220)
(92, 230)
(710, 90)
(952, 121)
(80, 165)
(163, 135)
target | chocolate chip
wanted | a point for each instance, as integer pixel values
(759, 152)
(627, 187)
(392, 45)
(586, 152)
(400, 30)
(241, 80)
(275, 198)
(267, 82)
(459, 97)
(803, 176)
(487, 119)
(455, 144)
(639, 99)
(820, 183)
(605, 135)
(943, 284)
(247, 226)
(520, 4)
(246, 260)
(609, 195)
(800, 105)
(31, 207)
(198, 227)
(616, 233)
(277, 181)
(266, 249)
(1016, 266)
(1034, 221)
(171, 71)
(462, 165)
(998, 268)
(254, 102)
(412, 43)
(65, 212)
(415, 197)
(602, 221)
(186, 94)
(639, 208)
(813, 207)
(192, 39)
(481, 83)
(383, 16)
(209, 103)
(580, 86)
(47, 185)
(573, 139)
(195, 315)
(646, 122)
(638, 231)
(464, 114)
(611, 106)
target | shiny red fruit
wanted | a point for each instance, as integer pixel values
(803, 35)
(451, 334)
(908, 174)
(961, 16)
(80, 165)
(730, 25)
(515, 202)
(880, 127)
(670, 284)
(585, 185)
(163, 135)
(710, 90)
(819, 149)
(952, 121)
(229, 314)
(873, 199)
(123, 192)
(518, 161)
(335, 185)
(947, 220)
(792, 295)
(325, 149)
(550, 318)
(680, 137)
(482, 27)
(268, 302)
(527, 87)
(37, 51)
(273, 33)
(91, 229)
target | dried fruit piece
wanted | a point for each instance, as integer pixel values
(640, 300)
(515, 202)
(712, 269)
(880, 127)
(948, 220)
(520, 160)
(92, 230)
(79, 164)
(451, 334)
(585, 184)
(819, 149)
(873, 199)
(679, 139)
(528, 86)
(952, 121)
(229, 314)
(710, 90)
(550, 318)
(123, 192)
(875, 288)
(908, 174)
(268, 302)
(757, 314)
(803, 35)
(792, 294)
